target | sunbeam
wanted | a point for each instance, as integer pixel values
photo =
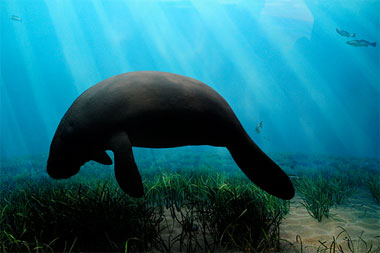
(74, 43)
(280, 62)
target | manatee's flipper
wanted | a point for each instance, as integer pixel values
(102, 157)
(261, 170)
(126, 172)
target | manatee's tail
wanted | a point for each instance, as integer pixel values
(261, 170)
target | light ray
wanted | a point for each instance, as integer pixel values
(167, 44)
(74, 43)
(328, 103)
(107, 30)
(10, 127)
(239, 51)
(40, 90)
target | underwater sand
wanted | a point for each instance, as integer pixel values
(360, 217)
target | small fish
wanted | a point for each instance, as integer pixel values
(15, 18)
(294, 177)
(260, 125)
(345, 33)
(361, 43)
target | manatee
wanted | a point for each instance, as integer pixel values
(154, 110)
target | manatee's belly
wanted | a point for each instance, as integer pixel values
(168, 130)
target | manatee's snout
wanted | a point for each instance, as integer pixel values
(61, 171)
(63, 161)
(62, 166)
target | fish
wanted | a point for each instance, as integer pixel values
(294, 177)
(361, 43)
(345, 33)
(260, 125)
(15, 18)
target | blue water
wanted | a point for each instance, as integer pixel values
(276, 61)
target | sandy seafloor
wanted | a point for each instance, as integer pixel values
(360, 217)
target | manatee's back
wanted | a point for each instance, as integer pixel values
(158, 109)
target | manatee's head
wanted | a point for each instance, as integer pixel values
(65, 158)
